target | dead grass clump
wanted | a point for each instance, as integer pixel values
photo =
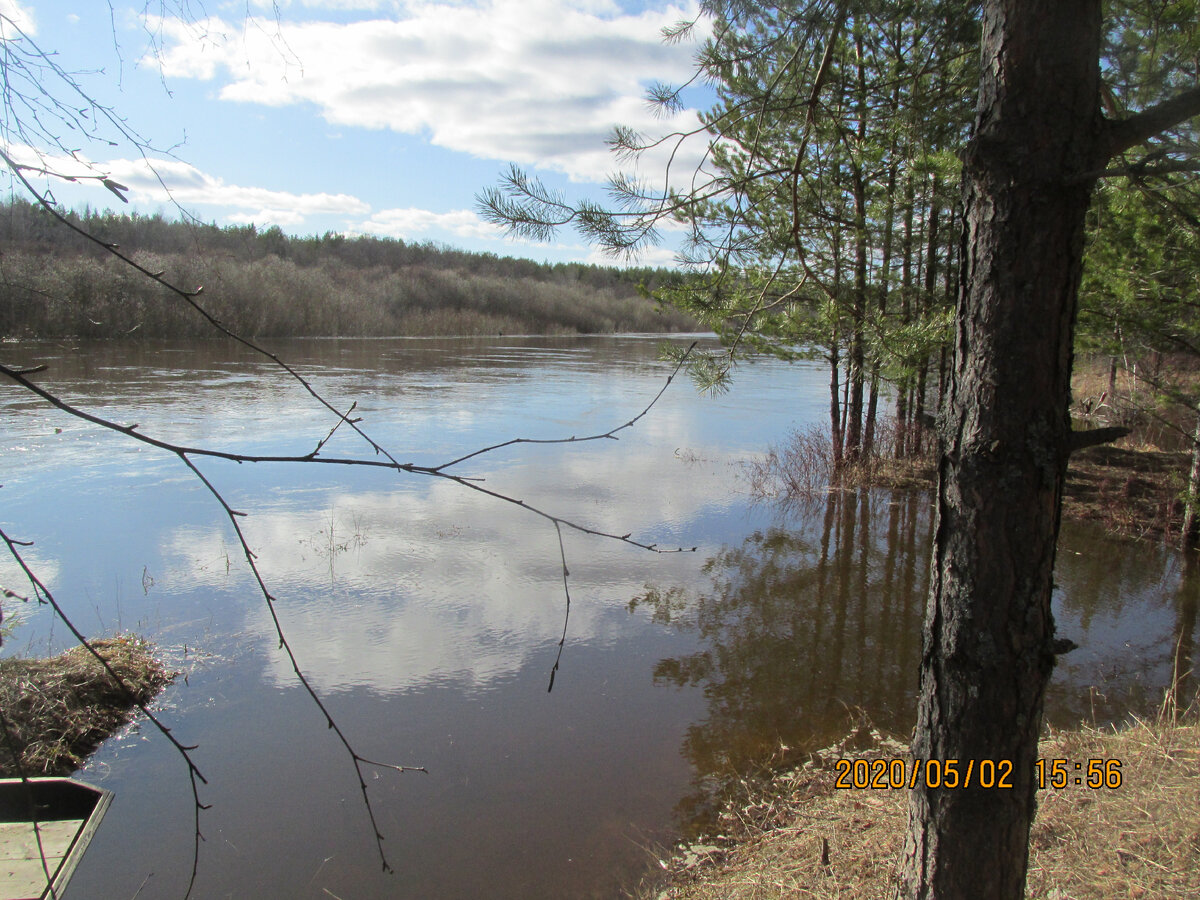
(1140, 840)
(58, 710)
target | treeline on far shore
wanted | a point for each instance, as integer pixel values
(263, 283)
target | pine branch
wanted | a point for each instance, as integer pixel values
(1122, 134)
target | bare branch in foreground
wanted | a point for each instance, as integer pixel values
(44, 595)
(610, 434)
(186, 454)
(383, 459)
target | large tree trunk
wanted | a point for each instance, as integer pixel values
(1004, 432)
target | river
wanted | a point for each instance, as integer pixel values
(428, 615)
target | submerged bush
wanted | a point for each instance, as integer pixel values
(804, 463)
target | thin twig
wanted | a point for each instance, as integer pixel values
(194, 774)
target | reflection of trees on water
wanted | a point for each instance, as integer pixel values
(1183, 659)
(803, 623)
(821, 615)
(1132, 608)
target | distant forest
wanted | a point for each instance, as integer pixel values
(263, 283)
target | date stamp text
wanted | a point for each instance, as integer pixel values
(896, 773)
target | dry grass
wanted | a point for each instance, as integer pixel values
(1132, 402)
(1141, 840)
(800, 838)
(803, 464)
(58, 710)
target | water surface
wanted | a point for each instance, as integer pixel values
(428, 615)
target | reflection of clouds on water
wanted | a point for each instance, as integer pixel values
(394, 581)
(13, 577)
(47, 569)
(431, 581)
(452, 602)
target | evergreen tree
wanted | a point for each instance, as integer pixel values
(802, 238)
(1139, 301)
(1046, 129)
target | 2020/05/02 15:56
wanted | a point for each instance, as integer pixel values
(897, 773)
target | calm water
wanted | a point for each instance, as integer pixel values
(428, 615)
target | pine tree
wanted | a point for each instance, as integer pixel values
(1046, 129)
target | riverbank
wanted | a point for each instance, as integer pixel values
(265, 284)
(1132, 488)
(59, 709)
(793, 833)
(1134, 491)
(796, 834)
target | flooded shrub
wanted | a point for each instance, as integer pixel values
(801, 465)
(804, 464)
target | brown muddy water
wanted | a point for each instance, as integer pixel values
(428, 615)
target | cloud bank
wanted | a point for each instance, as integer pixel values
(538, 82)
(17, 15)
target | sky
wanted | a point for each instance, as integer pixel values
(382, 117)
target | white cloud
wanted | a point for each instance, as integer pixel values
(18, 15)
(164, 182)
(346, 5)
(539, 82)
(173, 181)
(419, 224)
(167, 182)
(188, 186)
(439, 583)
(284, 218)
(410, 223)
(647, 256)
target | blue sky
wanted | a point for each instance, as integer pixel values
(379, 117)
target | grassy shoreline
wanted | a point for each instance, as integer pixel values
(791, 833)
(796, 835)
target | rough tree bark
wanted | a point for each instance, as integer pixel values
(1040, 141)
